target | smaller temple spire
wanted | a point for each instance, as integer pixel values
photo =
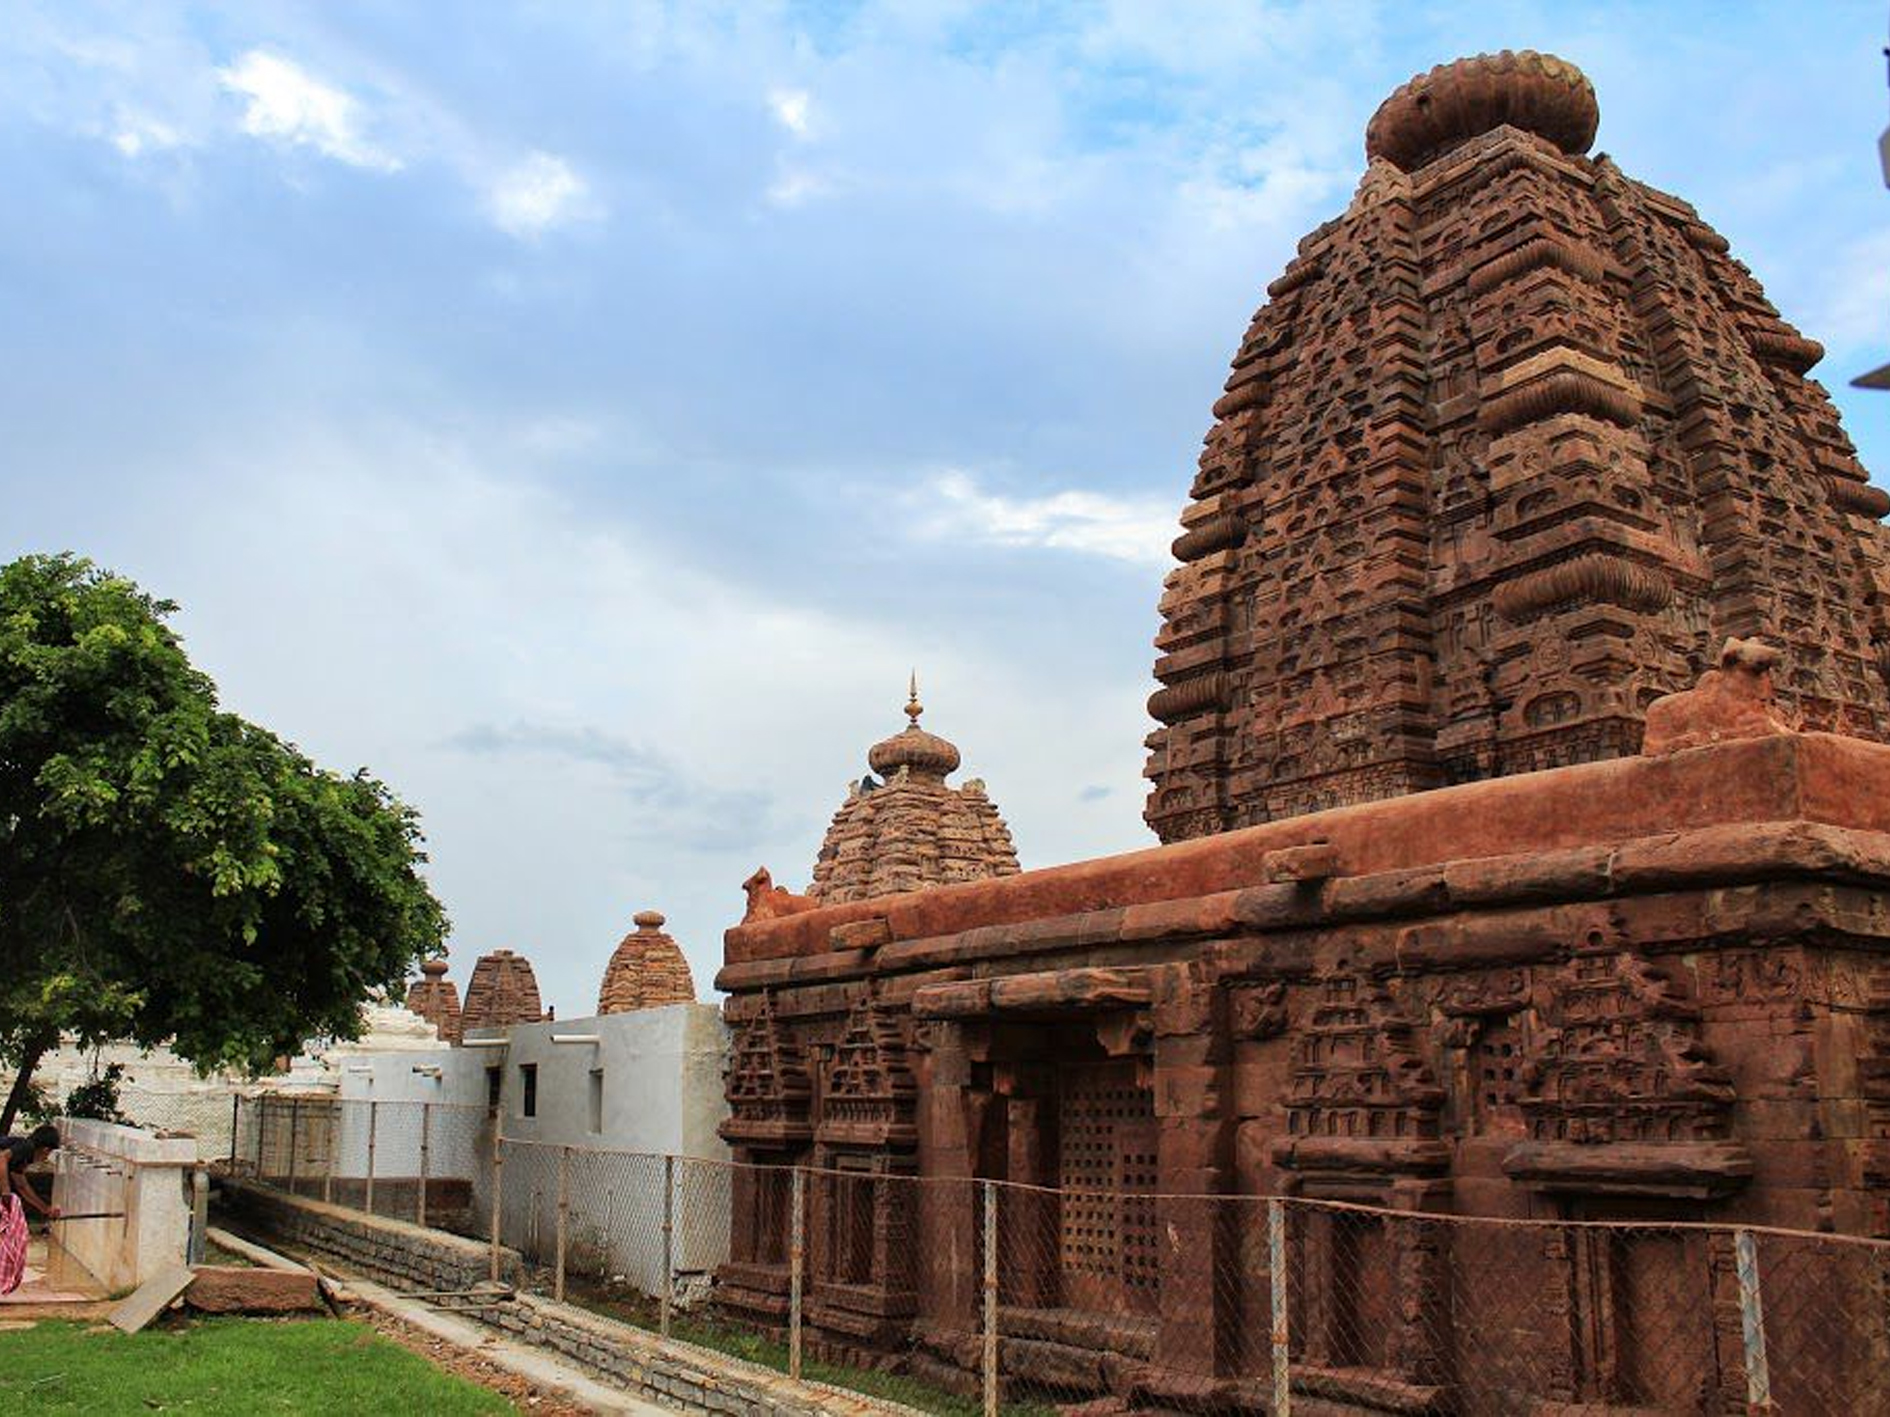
(647, 971)
(906, 829)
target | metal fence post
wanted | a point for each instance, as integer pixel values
(1752, 1322)
(1276, 1263)
(498, 1182)
(259, 1109)
(337, 1110)
(295, 1128)
(564, 1216)
(373, 1126)
(236, 1126)
(797, 1195)
(669, 1242)
(199, 1215)
(990, 1299)
(426, 1139)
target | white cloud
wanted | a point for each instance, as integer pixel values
(591, 722)
(792, 109)
(135, 134)
(1137, 530)
(532, 197)
(289, 105)
(796, 186)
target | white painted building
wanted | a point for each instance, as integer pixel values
(600, 1101)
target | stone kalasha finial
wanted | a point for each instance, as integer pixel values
(1732, 701)
(648, 921)
(1455, 102)
(913, 748)
(433, 968)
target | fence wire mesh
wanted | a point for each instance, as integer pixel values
(415, 1161)
(961, 1296)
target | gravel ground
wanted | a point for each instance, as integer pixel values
(525, 1396)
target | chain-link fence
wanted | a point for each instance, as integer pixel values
(418, 1161)
(203, 1115)
(960, 1296)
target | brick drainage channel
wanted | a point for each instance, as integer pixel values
(453, 1272)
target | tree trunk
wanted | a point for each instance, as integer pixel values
(29, 1059)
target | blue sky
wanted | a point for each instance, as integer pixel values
(584, 415)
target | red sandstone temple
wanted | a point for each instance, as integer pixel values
(1515, 454)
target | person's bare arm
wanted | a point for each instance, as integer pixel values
(15, 1181)
(26, 1192)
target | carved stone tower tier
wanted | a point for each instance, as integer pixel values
(1513, 447)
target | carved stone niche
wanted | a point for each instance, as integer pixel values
(1873, 1068)
(1361, 1106)
(1483, 1033)
(767, 1086)
(870, 1094)
(1619, 1095)
(860, 1204)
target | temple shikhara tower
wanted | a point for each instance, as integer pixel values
(1525, 819)
(1514, 445)
(503, 990)
(907, 828)
(646, 971)
(435, 998)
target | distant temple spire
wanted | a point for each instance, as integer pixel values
(906, 829)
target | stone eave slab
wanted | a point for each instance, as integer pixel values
(1710, 801)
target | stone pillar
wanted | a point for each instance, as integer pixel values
(949, 1115)
(1200, 1302)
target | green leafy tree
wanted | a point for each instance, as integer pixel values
(167, 870)
(97, 1097)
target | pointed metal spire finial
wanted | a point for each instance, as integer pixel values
(913, 707)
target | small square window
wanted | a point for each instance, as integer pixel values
(495, 1083)
(528, 1087)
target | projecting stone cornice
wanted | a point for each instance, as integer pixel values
(1789, 805)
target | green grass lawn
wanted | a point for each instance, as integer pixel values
(227, 1366)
